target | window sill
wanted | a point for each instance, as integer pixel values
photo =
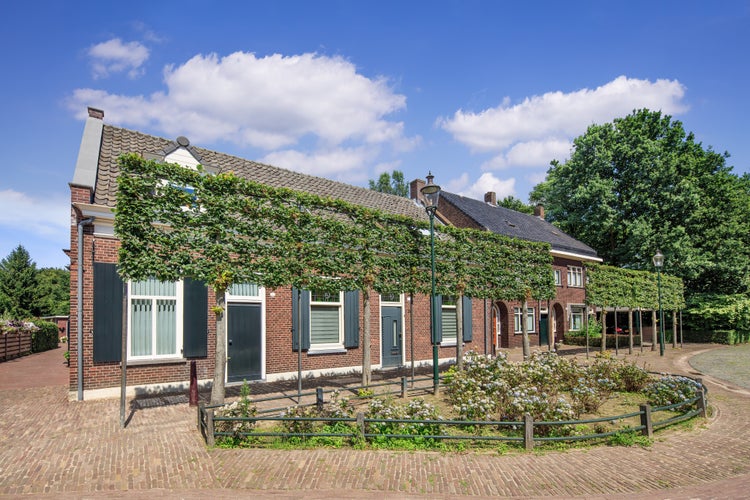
(332, 350)
(160, 361)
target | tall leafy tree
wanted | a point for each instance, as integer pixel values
(53, 292)
(641, 183)
(514, 203)
(391, 183)
(18, 283)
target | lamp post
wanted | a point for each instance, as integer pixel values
(431, 193)
(658, 263)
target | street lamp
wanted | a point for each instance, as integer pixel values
(431, 193)
(658, 263)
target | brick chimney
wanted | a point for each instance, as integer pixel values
(415, 190)
(490, 197)
(539, 211)
(96, 113)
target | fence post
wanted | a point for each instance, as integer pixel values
(361, 425)
(648, 426)
(210, 427)
(701, 398)
(319, 398)
(200, 409)
(403, 387)
(528, 432)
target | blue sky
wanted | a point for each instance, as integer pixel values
(482, 93)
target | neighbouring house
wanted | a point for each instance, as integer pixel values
(547, 321)
(169, 324)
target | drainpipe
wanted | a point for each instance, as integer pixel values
(79, 335)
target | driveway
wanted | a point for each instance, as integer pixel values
(51, 446)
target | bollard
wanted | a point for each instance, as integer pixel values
(648, 426)
(528, 432)
(319, 398)
(193, 384)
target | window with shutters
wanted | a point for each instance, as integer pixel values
(326, 320)
(155, 320)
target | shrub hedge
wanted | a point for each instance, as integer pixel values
(45, 338)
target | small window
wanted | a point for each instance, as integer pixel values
(576, 318)
(575, 276)
(530, 320)
(154, 321)
(450, 330)
(558, 277)
(390, 297)
(326, 320)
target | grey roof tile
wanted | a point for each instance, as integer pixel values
(117, 141)
(508, 222)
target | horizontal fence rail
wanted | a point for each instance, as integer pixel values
(526, 430)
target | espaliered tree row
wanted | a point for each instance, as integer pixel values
(629, 289)
(175, 222)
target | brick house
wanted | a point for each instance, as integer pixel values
(547, 321)
(169, 324)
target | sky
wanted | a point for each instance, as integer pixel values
(484, 94)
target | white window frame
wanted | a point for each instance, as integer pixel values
(325, 303)
(558, 277)
(575, 276)
(576, 310)
(178, 297)
(530, 318)
(449, 307)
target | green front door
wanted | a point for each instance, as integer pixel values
(244, 342)
(544, 330)
(392, 336)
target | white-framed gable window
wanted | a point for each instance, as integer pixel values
(326, 320)
(558, 277)
(155, 319)
(518, 317)
(575, 276)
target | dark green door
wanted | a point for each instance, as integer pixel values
(544, 330)
(392, 336)
(244, 342)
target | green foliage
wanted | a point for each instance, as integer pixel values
(642, 183)
(630, 438)
(243, 408)
(514, 203)
(711, 312)
(45, 337)
(274, 237)
(391, 413)
(612, 286)
(53, 292)
(391, 184)
(18, 283)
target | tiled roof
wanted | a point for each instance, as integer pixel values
(508, 222)
(117, 141)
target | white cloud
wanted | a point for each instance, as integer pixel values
(333, 163)
(487, 182)
(46, 217)
(114, 56)
(531, 154)
(558, 114)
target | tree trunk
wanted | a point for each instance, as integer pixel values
(604, 329)
(655, 334)
(630, 331)
(220, 361)
(460, 333)
(674, 329)
(366, 359)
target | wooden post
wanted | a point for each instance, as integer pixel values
(528, 432)
(361, 425)
(646, 422)
(702, 401)
(193, 384)
(403, 387)
(319, 398)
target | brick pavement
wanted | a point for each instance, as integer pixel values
(51, 446)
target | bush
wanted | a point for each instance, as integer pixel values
(45, 338)
(416, 409)
(244, 408)
(669, 390)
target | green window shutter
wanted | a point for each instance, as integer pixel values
(107, 313)
(466, 303)
(304, 321)
(351, 319)
(438, 319)
(195, 319)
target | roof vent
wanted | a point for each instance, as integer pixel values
(183, 141)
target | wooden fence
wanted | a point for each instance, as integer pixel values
(13, 345)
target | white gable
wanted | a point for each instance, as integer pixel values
(182, 156)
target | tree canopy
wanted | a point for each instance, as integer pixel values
(391, 183)
(18, 283)
(641, 183)
(514, 203)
